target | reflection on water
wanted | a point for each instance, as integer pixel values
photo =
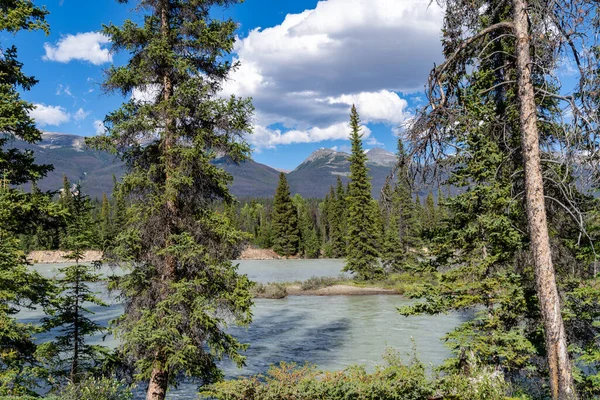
(331, 332)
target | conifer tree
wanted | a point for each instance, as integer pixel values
(309, 241)
(68, 354)
(401, 236)
(285, 220)
(362, 255)
(105, 223)
(499, 81)
(183, 289)
(338, 218)
(19, 212)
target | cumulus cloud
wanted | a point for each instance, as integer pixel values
(306, 72)
(270, 138)
(49, 115)
(89, 46)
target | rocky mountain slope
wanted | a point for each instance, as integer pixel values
(95, 169)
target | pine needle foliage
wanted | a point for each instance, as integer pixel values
(362, 254)
(182, 290)
(68, 355)
(285, 220)
(20, 212)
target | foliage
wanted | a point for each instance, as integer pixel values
(362, 252)
(285, 220)
(92, 388)
(401, 242)
(182, 290)
(395, 380)
(68, 355)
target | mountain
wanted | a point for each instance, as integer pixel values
(325, 165)
(95, 169)
(70, 157)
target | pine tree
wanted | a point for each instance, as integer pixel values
(183, 289)
(309, 241)
(19, 212)
(401, 235)
(338, 218)
(105, 224)
(362, 255)
(68, 354)
(494, 101)
(285, 220)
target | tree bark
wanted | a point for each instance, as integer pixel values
(159, 382)
(561, 378)
(157, 388)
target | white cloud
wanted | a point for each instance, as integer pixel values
(384, 106)
(270, 138)
(372, 141)
(306, 72)
(87, 46)
(80, 115)
(49, 115)
(99, 127)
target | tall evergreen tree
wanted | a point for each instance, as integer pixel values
(401, 241)
(498, 81)
(309, 240)
(362, 255)
(105, 224)
(338, 220)
(68, 354)
(182, 290)
(19, 212)
(285, 220)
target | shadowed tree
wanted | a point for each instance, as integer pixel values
(362, 254)
(515, 48)
(182, 290)
(285, 220)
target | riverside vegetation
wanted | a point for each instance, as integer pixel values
(514, 242)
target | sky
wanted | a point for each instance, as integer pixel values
(303, 62)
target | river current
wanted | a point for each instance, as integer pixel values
(332, 332)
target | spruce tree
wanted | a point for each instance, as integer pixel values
(105, 224)
(309, 240)
(285, 220)
(362, 255)
(338, 220)
(68, 354)
(183, 290)
(20, 212)
(401, 241)
(494, 101)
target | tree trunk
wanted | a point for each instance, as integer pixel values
(75, 361)
(561, 378)
(159, 382)
(157, 388)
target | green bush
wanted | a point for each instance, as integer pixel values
(269, 291)
(96, 389)
(318, 282)
(394, 381)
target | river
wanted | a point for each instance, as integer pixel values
(332, 332)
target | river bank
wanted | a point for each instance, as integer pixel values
(60, 256)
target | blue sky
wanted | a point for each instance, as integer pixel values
(303, 62)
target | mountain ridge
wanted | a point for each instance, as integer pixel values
(95, 169)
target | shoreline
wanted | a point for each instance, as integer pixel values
(339, 290)
(58, 256)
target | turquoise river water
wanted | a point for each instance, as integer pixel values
(332, 332)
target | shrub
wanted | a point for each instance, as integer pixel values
(269, 291)
(96, 389)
